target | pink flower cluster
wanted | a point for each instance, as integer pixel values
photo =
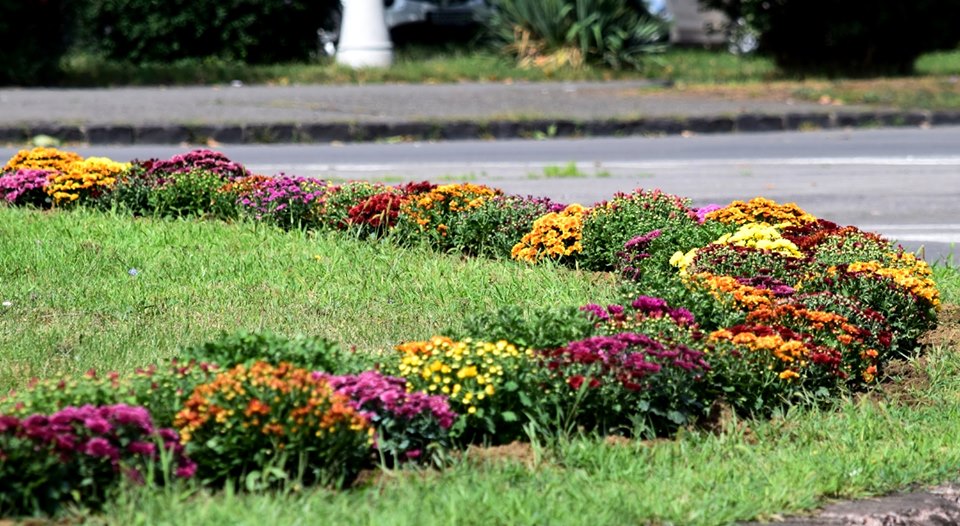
(626, 358)
(24, 186)
(118, 433)
(207, 160)
(277, 195)
(379, 394)
(644, 307)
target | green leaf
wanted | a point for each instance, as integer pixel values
(509, 416)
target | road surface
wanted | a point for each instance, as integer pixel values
(903, 183)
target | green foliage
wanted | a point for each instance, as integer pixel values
(615, 33)
(131, 192)
(193, 193)
(243, 347)
(496, 225)
(543, 328)
(34, 39)
(853, 37)
(256, 32)
(610, 225)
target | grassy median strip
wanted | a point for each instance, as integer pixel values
(83, 289)
(91, 290)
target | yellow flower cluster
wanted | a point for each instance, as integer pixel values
(764, 210)
(760, 236)
(84, 178)
(469, 372)
(913, 276)
(555, 235)
(47, 159)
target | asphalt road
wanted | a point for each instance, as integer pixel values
(904, 183)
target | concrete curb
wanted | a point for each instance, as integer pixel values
(291, 133)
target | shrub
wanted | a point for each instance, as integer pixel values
(492, 228)
(141, 31)
(194, 193)
(77, 454)
(131, 191)
(492, 385)
(854, 37)
(555, 33)
(316, 354)
(340, 199)
(267, 423)
(411, 427)
(610, 225)
(534, 329)
(35, 37)
(161, 390)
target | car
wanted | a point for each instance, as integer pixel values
(399, 13)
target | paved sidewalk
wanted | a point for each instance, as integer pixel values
(290, 114)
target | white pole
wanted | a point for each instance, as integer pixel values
(364, 39)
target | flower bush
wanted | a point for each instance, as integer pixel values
(410, 426)
(756, 304)
(286, 201)
(555, 235)
(430, 215)
(609, 225)
(25, 187)
(84, 181)
(47, 159)
(761, 210)
(489, 383)
(196, 160)
(627, 383)
(376, 214)
(77, 454)
(262, 418)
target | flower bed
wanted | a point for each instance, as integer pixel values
(756, 305)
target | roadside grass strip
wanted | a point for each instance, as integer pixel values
(186, 342)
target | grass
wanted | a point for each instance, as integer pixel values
(691, 72)
(75, 305)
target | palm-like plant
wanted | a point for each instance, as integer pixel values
(615, 33)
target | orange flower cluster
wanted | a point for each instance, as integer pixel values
(47, 159)
(826, 328)
(761, 210)
(791, 351)
(554, 235)
(910, 275)
(282, 401)
(83, 179)
(746, 297)
(245, 185)
(433, 206)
